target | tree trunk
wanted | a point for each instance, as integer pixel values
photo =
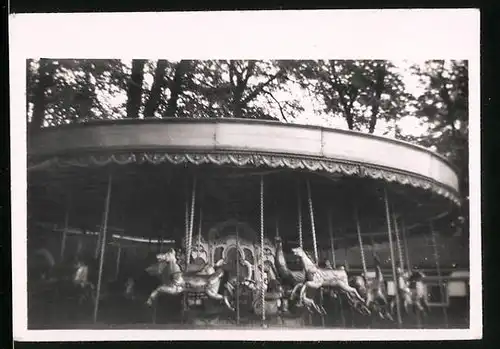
(349, 119)
(134, 92)
(379, 87)
(156, 89)
(176, 88)
(45, 80)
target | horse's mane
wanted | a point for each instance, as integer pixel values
(309, 256)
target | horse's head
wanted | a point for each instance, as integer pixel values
(359, 282)
(278, 240)
(298, 251)
(168, 256)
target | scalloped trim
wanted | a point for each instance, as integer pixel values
(257, 160)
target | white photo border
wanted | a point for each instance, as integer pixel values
(291, 34)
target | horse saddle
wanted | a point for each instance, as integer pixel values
(272, 296)
(194, 268)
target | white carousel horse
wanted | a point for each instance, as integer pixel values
(176, 282)
(319, 277)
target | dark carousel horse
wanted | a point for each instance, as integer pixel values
(412, 293)
(374, 291)
(65, 288)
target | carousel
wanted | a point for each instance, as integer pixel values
(254, 212)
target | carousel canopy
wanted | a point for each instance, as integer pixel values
(153, 164)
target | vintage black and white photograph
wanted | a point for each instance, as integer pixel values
(265, 194)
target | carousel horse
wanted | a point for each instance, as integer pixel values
(318, 277)
(246, 280)
(287, 277)
(292, 279)
(411, 290)
(274, 301)
(175, 281)
(374, 292)
(417, 287)
(265, 278)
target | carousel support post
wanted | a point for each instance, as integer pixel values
(103, 247)
(66, 227)
(393, 262)
(438, 270)
(263, 291)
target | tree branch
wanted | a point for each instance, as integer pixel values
(258, 89)
(277, 102)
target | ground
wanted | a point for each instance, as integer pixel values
(135, 315)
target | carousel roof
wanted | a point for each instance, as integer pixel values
(153, 163)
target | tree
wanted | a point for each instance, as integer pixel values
(242, 89)
(37, 83)
(71, 90)
(444, 107)
(362, 92)
(134, 88)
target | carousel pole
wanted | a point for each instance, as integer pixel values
(199, 226)
(191, 222)
(103, 247)
(99, 239)
(313, 228)
(408, 265)
(332, 243)
(237, 276)
(299, 209)
(398, 241)
(360, 241)
(405, 243)
(334, 262)
(262, 289)
(186, 224)
(393, 263)
(186, 243)
(277, 226)
(346, 266)
(438, 270)
(66, 227)
(118, 258)
(315, 244)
